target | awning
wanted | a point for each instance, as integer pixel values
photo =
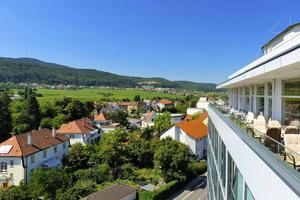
(51, 163)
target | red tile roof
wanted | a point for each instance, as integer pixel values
(99, 117)
(148, 116)
(165, 101)
(80, 126)
(196, 128)
(41, 139)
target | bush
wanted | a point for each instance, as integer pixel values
(162, 193)
(197, 168)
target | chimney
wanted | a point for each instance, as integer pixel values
(53, 132)
(29, 138)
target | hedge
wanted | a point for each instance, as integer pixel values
(162, 193)
(172, 187)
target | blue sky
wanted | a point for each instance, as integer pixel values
(196, 40)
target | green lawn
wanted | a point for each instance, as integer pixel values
(100, 93)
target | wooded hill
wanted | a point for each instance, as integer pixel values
(29, 70)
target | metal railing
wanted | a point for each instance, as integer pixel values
(278, 156)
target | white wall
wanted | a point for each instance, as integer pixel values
(16, 170)
(191, 111)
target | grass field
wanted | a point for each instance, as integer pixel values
(99, 93)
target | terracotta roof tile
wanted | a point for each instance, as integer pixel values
(196, 128)
(165, 101)
(80, 126)
(149, 116)
(41, 139)
(99, 117)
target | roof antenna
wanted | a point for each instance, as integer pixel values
(274, 26)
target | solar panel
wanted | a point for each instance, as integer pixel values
(5, 148)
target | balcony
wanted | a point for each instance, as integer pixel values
(276, 155)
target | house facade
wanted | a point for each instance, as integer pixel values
(21, 154)
(239, 165)
(80, 131)
(193, 133)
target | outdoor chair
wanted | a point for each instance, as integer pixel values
(259, 127)
(295, 123)
(291, 130)
(273, 139)
(292, 149)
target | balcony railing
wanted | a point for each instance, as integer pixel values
(276, 154)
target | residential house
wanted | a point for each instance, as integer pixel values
(149, 118)
(21, 154)
(164, 103)
(109, 128)
(129, 106)
(202, 103)
(192, 133)
(115, 192)
(100, 120)
(135, 122)
(80, 131)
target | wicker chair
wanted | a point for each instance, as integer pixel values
(292, 149)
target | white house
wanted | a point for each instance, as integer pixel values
(80, 131)
(192, 111)
(21, 154)
(100, 120)
(192, 133)
(149, 118)
(202, 103)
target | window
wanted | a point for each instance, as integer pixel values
(45, 153)
(55, 149)
(291, 87)
(64, 145)
(72, 136)
(269, 89)
(32, 159)
(235, 181)
(260, 90)
(248, 194)
(3, 167)
(260, 103)
(290, 100)
(11, 163)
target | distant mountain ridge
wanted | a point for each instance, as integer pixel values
(30, 70)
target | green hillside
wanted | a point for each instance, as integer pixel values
(28, 70)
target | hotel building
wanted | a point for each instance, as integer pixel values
(242, 167)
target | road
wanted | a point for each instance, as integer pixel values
(195, 190)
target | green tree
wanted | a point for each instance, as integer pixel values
(137, 98)
(172, 158)
(46, 182)
(75, 110)
(78, 157)
(5, 116)
(196, 115)
(162, 122)
(120, 116)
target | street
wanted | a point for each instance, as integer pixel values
(195, 190)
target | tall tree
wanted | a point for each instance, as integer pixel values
(163, 122)
(5, 116)
(172, 158)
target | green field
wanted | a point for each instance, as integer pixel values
(100, 94)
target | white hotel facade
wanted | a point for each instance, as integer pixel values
(240, 167)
